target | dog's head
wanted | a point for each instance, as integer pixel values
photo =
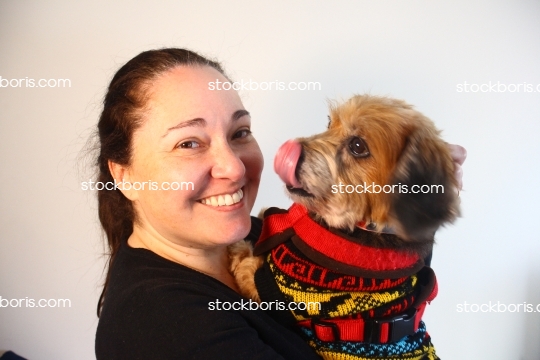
(365, 167)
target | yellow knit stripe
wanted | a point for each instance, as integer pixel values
(353, 303)
(343, 302)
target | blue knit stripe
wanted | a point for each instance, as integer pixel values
(409, 347)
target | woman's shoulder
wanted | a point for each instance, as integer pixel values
(151, 300)
(140, 272)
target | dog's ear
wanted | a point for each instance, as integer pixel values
(425, 166)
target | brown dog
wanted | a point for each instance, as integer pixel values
(380, 177)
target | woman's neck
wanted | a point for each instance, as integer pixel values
(213, 261)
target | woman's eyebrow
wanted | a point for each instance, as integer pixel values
(200, 122)
(239, 113)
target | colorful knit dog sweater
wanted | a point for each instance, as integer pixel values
(371, 299)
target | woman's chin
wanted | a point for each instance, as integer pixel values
(231, 230)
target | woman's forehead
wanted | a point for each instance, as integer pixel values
(183, 94)
(187, 88)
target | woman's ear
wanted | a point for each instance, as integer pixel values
(122, 178)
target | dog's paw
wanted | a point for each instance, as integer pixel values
(243, 266)
(238, 252)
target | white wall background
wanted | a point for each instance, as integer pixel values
(50, 241)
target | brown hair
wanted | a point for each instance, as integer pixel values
(124, 102)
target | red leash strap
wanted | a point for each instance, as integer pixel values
(376, 331)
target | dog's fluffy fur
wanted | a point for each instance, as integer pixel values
(394, 145)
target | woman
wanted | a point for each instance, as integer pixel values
(162, 124)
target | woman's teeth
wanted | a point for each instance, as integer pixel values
(223, 200)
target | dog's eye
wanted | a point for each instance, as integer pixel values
(358, 147)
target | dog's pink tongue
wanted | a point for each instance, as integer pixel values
(285, 162)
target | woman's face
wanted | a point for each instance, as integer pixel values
(200, 139)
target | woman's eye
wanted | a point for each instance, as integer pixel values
(242, 134)
(188, 145)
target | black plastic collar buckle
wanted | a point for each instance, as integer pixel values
(398, 327)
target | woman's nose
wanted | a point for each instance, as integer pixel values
(228, 164)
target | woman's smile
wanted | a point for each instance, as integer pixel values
(222, 200)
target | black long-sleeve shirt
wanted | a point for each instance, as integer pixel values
(157, 309)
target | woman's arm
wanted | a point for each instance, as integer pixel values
(182, 317)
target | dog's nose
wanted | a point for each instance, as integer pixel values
(285, 162)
